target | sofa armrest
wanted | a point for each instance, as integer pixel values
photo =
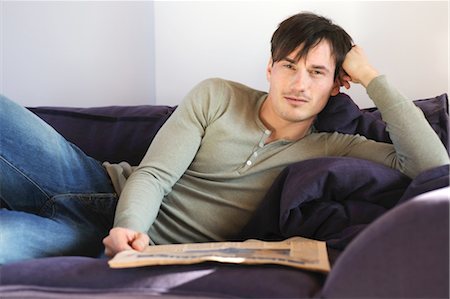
(403, 254)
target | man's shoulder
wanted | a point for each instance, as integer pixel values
(217, 96)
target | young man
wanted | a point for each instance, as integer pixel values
(210, 164)
(213, 161)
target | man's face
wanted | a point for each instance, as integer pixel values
(299, 90)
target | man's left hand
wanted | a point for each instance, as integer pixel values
(357, 68)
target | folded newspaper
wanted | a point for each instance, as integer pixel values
(295, 252)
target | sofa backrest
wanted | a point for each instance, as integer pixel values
(123, 133)
(112, 133)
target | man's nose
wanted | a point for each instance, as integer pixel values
(300, 81)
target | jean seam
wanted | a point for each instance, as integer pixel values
(49, 204)
(25, 176)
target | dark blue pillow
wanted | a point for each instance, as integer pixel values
(341, 114)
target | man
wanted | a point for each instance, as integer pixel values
(210, 164)
(228, 142)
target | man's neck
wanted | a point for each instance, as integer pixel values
(283, 129)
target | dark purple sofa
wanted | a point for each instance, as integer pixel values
(387, 235)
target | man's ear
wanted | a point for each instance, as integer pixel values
(269, 69)
(336, 87)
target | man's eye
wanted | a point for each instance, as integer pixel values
(289, 66)
(315, 72)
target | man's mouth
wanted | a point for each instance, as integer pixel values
(296, 100)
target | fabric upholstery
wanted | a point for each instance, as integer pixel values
(111, 133)
(404, 254)
(81, 275)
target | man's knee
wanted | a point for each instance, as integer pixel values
(14, 244)
(26, 236)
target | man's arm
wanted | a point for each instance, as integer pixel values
(417, 147)
(168, 157)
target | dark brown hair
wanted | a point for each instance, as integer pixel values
(307, 30)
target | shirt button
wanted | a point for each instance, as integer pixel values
(255, 154)
(249, 163)
(267, 132)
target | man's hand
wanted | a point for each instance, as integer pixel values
(357, 68)
(120, 239)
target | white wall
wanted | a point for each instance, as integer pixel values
(408, 41)
(77, 53)
(93, 53)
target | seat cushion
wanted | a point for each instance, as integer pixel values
(69, 276)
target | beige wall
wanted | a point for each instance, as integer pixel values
(77, 53)
(407, 40)
(94, 53)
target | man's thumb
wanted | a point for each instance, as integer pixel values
(140, 242)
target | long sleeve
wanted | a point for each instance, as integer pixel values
(167, 158)
(417, 146)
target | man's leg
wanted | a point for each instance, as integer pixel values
(36, 162)
(69, 224)
(36, 165)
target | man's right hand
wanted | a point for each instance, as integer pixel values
(120, 239)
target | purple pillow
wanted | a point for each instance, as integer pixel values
(341, 114)
(112, 133)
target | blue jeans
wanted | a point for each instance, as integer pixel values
(55, 200)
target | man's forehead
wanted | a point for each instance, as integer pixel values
(321, 52)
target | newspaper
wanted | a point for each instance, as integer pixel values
(296, 252)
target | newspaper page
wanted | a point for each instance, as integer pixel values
(296, 252)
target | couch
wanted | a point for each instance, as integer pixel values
(387, 235)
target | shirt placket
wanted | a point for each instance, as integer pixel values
(257, 150)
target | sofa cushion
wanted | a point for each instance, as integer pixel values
(73, 277)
